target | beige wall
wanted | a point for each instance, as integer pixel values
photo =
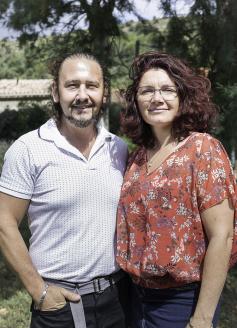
(8, 105)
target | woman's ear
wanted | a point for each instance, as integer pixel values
(54, 92)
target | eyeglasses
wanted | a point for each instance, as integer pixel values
(167, 93)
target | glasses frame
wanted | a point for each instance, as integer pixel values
(173, 94)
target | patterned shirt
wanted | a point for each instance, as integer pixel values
(161, 240)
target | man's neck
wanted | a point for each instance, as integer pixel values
(81, 138)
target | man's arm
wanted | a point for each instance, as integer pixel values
(12, 211)
(218, 225)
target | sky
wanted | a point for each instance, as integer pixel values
(145, 9)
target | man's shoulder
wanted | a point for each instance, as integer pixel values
(34, 136)
(30, 140)
(29, 137)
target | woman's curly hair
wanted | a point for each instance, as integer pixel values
(196, 110)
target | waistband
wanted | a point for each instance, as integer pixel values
(97, 285)
(191, 286)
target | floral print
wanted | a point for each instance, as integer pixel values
(160, 238)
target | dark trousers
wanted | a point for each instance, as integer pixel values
(102, 310)
(165, 308)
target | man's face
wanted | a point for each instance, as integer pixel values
(80, 91)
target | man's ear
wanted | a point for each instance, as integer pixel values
(54, 92)
(105, 98)
(106, 95)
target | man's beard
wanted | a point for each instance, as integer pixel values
(82, 123)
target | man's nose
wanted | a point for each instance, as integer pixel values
(82, 94)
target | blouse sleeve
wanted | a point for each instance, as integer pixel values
(215, 178)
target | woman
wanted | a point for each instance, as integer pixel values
(177, 208)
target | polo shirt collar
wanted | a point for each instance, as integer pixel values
(49, 131)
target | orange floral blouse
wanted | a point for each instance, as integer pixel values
(160, 238)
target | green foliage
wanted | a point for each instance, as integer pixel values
(134, 38)
(22, 62)
(228, 315)
(15, 123)
(34, 18)
(3, 148)
(226, 97)
(131, 146)
(11, 60)
(114, 118)
(14, 300)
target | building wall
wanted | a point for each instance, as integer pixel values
(8, 104)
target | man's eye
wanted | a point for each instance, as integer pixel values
(92, 86)
(71, 86)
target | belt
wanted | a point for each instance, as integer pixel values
(97, 285)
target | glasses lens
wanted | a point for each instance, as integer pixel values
(166, 93)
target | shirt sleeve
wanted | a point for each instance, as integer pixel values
(17, 177)
(215, 178)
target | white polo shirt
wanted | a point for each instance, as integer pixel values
(73, 200)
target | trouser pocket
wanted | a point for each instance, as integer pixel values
(60, 318)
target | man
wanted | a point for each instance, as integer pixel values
(67, 176)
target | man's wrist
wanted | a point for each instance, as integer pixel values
(42, 297)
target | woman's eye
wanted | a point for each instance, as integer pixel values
(147, 91)
(168, 90)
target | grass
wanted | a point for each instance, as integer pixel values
(15, 302)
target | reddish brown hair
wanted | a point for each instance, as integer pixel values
(196, 110)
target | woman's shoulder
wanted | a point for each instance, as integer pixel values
(204, 141)
(203, 136)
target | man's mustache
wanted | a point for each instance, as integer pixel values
(82, 104)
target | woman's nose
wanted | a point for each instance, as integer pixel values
(157, 96)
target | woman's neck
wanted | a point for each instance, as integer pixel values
(163, 137)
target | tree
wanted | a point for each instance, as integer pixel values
(14, 123)
(63, 18)
(207, 36)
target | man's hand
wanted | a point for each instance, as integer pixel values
(56, 298)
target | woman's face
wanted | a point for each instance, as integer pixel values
(157, 98)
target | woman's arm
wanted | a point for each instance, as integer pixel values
(218, 225)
